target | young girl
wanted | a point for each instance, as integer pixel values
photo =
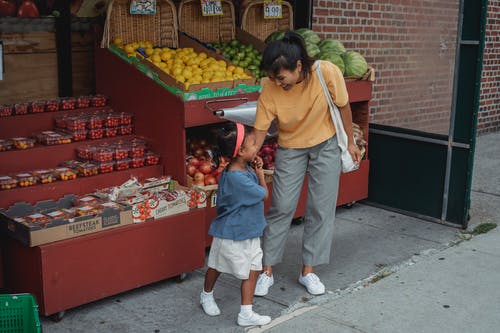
(239, 223)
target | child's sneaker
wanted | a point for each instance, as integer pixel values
(208, 304)
(312, 283)
(264, 282)
(253, 319)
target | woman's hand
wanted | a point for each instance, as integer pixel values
(355, 152)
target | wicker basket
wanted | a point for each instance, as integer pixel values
(160, 28)
(219, 28)
(253, 20)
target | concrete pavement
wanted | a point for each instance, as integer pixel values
(429, 279)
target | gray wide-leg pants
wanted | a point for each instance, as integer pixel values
(322, 165)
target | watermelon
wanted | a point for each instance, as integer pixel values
(331, 46)
(334, 59)
(276, 35)
(312, 49)
(355, 64)
(310, 37)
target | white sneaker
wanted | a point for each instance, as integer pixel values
(264, 282)
(208, 304)
(312, 283)
(253, 319)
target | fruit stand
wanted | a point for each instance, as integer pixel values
(75, 271)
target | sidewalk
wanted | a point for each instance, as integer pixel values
(423, 293)
(450, 290)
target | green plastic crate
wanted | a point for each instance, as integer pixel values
(19, 314)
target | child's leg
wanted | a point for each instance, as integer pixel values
(248, 288)
(211, 277)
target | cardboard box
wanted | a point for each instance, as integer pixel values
(59, 229)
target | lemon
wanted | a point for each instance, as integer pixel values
(148, 44)
(118, 41)
(239, 70)
(156, 58)
(162, 65)
(187, 73)
(222, 63)
(180, 78)
(148, 51)
(129, 48)
(202, 55)
(231, 68)
(177, 70)
(165, 56)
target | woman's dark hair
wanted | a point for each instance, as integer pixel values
(225, 142)
(285, 53)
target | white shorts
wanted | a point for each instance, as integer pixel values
(237, 258)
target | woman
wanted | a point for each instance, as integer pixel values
(293, 96)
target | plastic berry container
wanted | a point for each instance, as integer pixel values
(37, 218)
(52, 105)
(75, 123)
(71, 164)
(105, 167)
(7, 183)
(122, 164)
(103, 155)
(110, 204)
(126, 118)
(37, 107)
(83, 102)
(151, 158)
(137, 162)
(56, 139)
(6, 145)
(98, 101)
(60, 121)
(125, 130)
(21, 108)
(65, 173)
(112, 120)
(86, 200)
(68, 103)
(137, 150)
(45, 176)
(87, 169)
(69, 212)
(23, 143)
(57, 215)
(6, 110)
(85, 152)
(95, 134)
(121, 152)
(110, 132)
(78, 135)
(95, 121)
(26, 179)
(88, 210)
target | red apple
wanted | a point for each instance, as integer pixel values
(194, 161)
(7, 8)
(210, 180)
(191, 170)
(205, 167)
(28, 9)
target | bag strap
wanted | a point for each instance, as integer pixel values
(334, 111)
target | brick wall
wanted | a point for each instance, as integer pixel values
(411, 45)
(489, 109)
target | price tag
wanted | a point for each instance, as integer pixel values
(143, 7)
(211, 7)
(273, 9)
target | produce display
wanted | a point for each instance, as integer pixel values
(184, 64)
(26, 179)
(351, 63)
(246, 56)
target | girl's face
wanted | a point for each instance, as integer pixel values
(286, 79)
(248, 149)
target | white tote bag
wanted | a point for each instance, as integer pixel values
(348, 164)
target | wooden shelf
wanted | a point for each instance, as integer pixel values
(81, 185)
(43, 157)
(24, 125)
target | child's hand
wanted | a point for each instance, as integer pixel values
(257, 163)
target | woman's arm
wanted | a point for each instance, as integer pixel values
(346, 114)
(260, 136)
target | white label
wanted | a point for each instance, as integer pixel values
(142, 7)
(35, 216)
(55, 214)
(211, 7)
(273, 9)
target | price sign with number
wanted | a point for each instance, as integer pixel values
(143, 7)
(273, 9)
(211, 7)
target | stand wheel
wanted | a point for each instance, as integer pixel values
(57, 317)
(298, 220)
(181, 277)
(350, 204)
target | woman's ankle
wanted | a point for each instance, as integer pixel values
(268, 270)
